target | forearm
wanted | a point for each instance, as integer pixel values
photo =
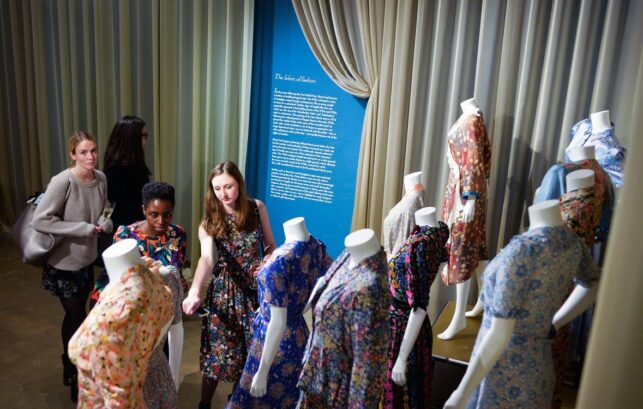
(203, 269)
(578, 301)
(175, 343)
(274, 334)
(413, 327)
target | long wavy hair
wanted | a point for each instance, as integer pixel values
(214, 221)
(125, 146)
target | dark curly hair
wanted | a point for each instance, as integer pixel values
(158, 190)
(125, 145)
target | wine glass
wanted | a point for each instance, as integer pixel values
(109, 209)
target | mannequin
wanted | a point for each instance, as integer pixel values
(398, 223)
(600, 121)
(294, 230)
(491, 345)
(579, 153)
(133, 315)
(468, 213)
(361, 244)
(423, 217)
(580, 179)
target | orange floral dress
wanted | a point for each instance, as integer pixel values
(469, 155)
(113, 345)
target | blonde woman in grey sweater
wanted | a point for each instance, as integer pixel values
(71, 209)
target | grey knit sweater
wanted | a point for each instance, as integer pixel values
(73, 220)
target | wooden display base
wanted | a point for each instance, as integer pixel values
(451, 358)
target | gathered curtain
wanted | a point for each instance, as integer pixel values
(184, 67)
(534, 67)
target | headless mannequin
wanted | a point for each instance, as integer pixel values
(579, 153)
(600, 121)
(423, 217)
(458, 322)
(174, 340)
(118, 258)
(361, 244)
(579, 179)
(295, 230)
(492, 346)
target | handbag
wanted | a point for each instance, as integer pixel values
(34, 246)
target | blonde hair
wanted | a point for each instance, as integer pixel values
(76, 138)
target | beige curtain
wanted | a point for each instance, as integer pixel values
(534, 67)
(183, 67)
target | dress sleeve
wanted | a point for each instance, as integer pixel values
(275, 278)
(511, 281)
(419, 273)
(475, 159)
(369, 331)
(553, 184)
(588, 272)
(122, 233)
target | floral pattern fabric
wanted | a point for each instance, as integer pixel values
(112, 347)
(411, 273)
(527, 281)
(344, 365)
(400, 221)
(469, 154)
(285, 281)
(554, 185)
(231, 300)
(609, 151)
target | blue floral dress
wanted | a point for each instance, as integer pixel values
(527, 281)
(345, 359)
(411, 273)
(231, 300)
(285, 281)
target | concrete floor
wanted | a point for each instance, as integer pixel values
(30, 344)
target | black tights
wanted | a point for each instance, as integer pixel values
(75, 314)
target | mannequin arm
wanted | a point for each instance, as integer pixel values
(489, 351)
(578, 301)
(413, 326)
(175, 341)
(469, 210)
(203, 268)
(274, 335)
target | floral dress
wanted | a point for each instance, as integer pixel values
(400, 221)
(411, 273)
(112, 347)
(469, 157)
(231, 300)
(344, 365)
(609, 151)
(527, 281)
(285, 281)
(581, 212)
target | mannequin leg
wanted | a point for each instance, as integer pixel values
(477, 309)
(458, 322)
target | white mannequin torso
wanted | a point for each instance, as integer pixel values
(578, 153)
(426, 217)
(360, 245)
(295, 230)
(600, 121)
(579, 179)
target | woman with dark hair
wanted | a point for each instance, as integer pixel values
(125, 168)
(72, 208)
(239, 227)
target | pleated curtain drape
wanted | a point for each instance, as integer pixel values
(184, 67)
(534, 67)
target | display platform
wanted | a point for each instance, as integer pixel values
(450, 358)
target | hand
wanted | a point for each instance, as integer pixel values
(469, 210)
(455, 401)
(97, 229)
(258, 386)
(191, 303)
(399, 372)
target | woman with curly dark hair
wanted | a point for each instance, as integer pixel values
(240, 229)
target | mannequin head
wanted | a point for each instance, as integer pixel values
(578, 153)
(579, 179)
(412, 180)
(600, 121)
(469, 106)
(426, 217)
(545, 214)
(295, 230)
(361, 244)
